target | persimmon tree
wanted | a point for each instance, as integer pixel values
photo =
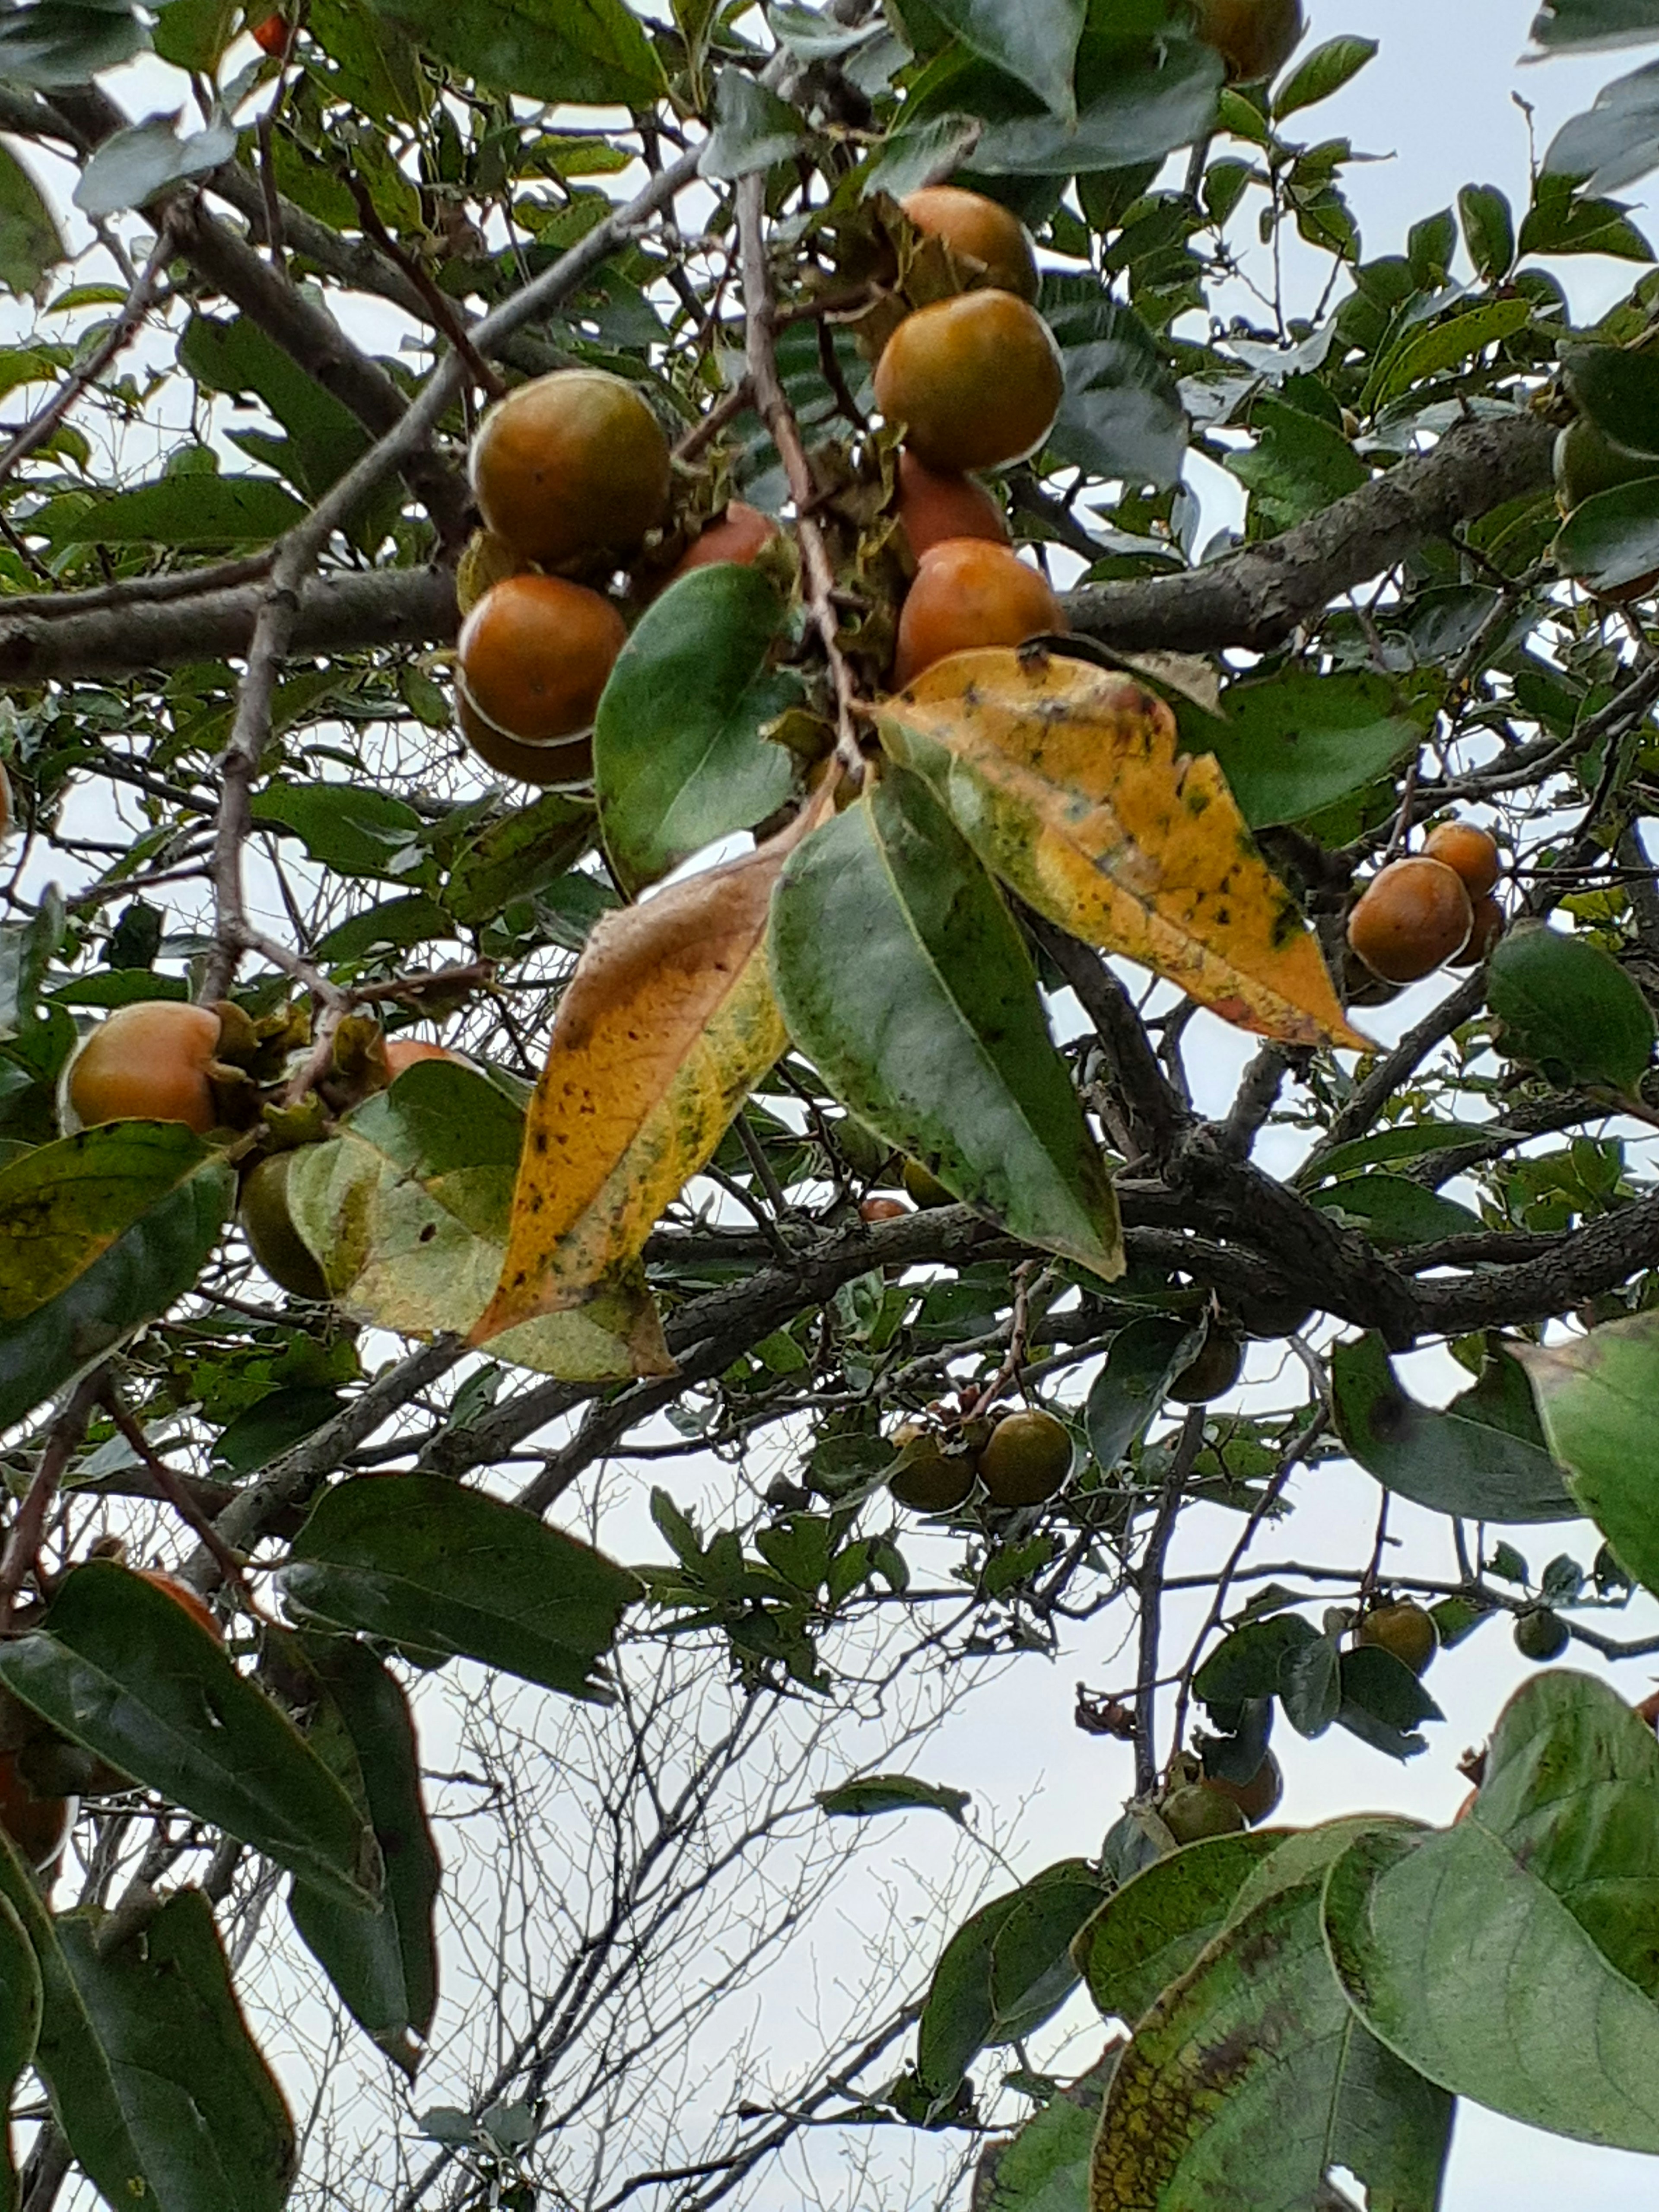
(457, 1083)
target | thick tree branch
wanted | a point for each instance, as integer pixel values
(1258, 597)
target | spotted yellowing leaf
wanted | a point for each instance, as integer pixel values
(666, 1026)
(1068, 782)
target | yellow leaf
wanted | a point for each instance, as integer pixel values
(1066, 781)
(667, 1025)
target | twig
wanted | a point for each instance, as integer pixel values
(174, 1490)
(1150, 1582)
(23, 1543)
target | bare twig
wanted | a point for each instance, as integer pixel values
(23, 1542)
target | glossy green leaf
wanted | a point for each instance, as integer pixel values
(1598, 1396)
(59, 43)
(903, 978)
(1591, 23)
(181, 510)
(1044, 2166)
(1322, 73)
(1135, 103)
(27, 949)
(351, 826)
(131, 166)
(1151, 1932)
(893, 1793)
(119, 1666)
(30, 242)
(383, 1962)
(1034, 41)
(1292, 744)
(1613, 143)
(516, 856)
(753, 128)
(163, 2095)
(99, 1234)
(1407, 1142)
(1445, 345)
(595, 52)
(1563, 220)
(444, 1571)
(392, 927)
(1251, 2078)
(271, 1424)
(1250, 1663)
(1569, 1008)
(1612, 538)
(406, 1211)
(678, 756)
(1488, 230)
(1381, 1701)
(1512, 1957)
(1299, 465)
(1453, 1461)
(1393, 1210)
(236, 356)
(1619, 390)
(1003, 1972)
(1121, 413)
(1142, 1361)
(21, 2007)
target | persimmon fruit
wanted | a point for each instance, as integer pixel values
(967, 593)
(1404, 1629)
(148, 1062)
(271, 36)
(1258, 1798)
(978, 229)
(874, 1210)
(933, 507)
(36, 1824)
(553, 766)
(1588, 461)
(1541, 1634)
(575, 463)
(410, 1052)
(273, 1239)
(927, 1478)
(975, 380)
(1213, 1373)
(1470, 851)
(1027, 1459)
(1490, 923)
(1413, 917)
(742, 535)
(536, 653)
(1199, 1811)
(1254, 37)
(184, 1597)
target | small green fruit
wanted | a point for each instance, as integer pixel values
(1541, 1635)
(1197, 1811)
(274, 1241)
(1212, 1373)
(928, 1478)
(1027, 1459)
(1404, 1629)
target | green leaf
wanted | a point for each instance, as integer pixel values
(99, 1234)
(1033, 41)
(1395, 1212)
(121, 1667)
(903, 978)
(1134, 104)
(1511, 1958)
(157, 2085)
(1322, 73)
(1299, 465)
(1250, 1662)
(1562, 220)
(384, 1962)
(444, 1571)
(1612, 538)
(1616, 141)
(270, 1425)
(1310, 1686)
(1148, 1936)
(591, 52)
(1619, 390)
(1121, 414)
(132, 165)
(1003, 1972)
(393, 925)
(894, 1793)
(30, 241)
(1250, 2078)
(351, 827)
(1598, 1397)
(20, 2007)
(1453, 1462)
(1590, 23)
(1443, 346)
(678, 756)
(26, 950)
(517, 855)
(406, 1211)
(325, 437)
(1142, 1361)
(181, 510)
(1488, 224)
(1407, 1142)
(59, 44)
(1045, 2165)
(1382, 1702)
(1292, 744)
(1569, 1008)
(753, 128)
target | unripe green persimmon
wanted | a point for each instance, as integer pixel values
(1405, 1630)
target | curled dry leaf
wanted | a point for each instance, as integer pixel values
(1066, 781)
(667, 1025)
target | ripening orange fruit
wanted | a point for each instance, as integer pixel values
(185, 1598)
(552, 766)
(742, 535)
(1490, 922)
(979, 230)
(36, 1824)
(872, 1210)
(1413, 917)
(1471, 851)
(409, 1052)
(975, 380)
(272, 35)
(146, 1063)
(1254, 37)
(536, 653)
(969, 593)
(575, 462)
(933, 508)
